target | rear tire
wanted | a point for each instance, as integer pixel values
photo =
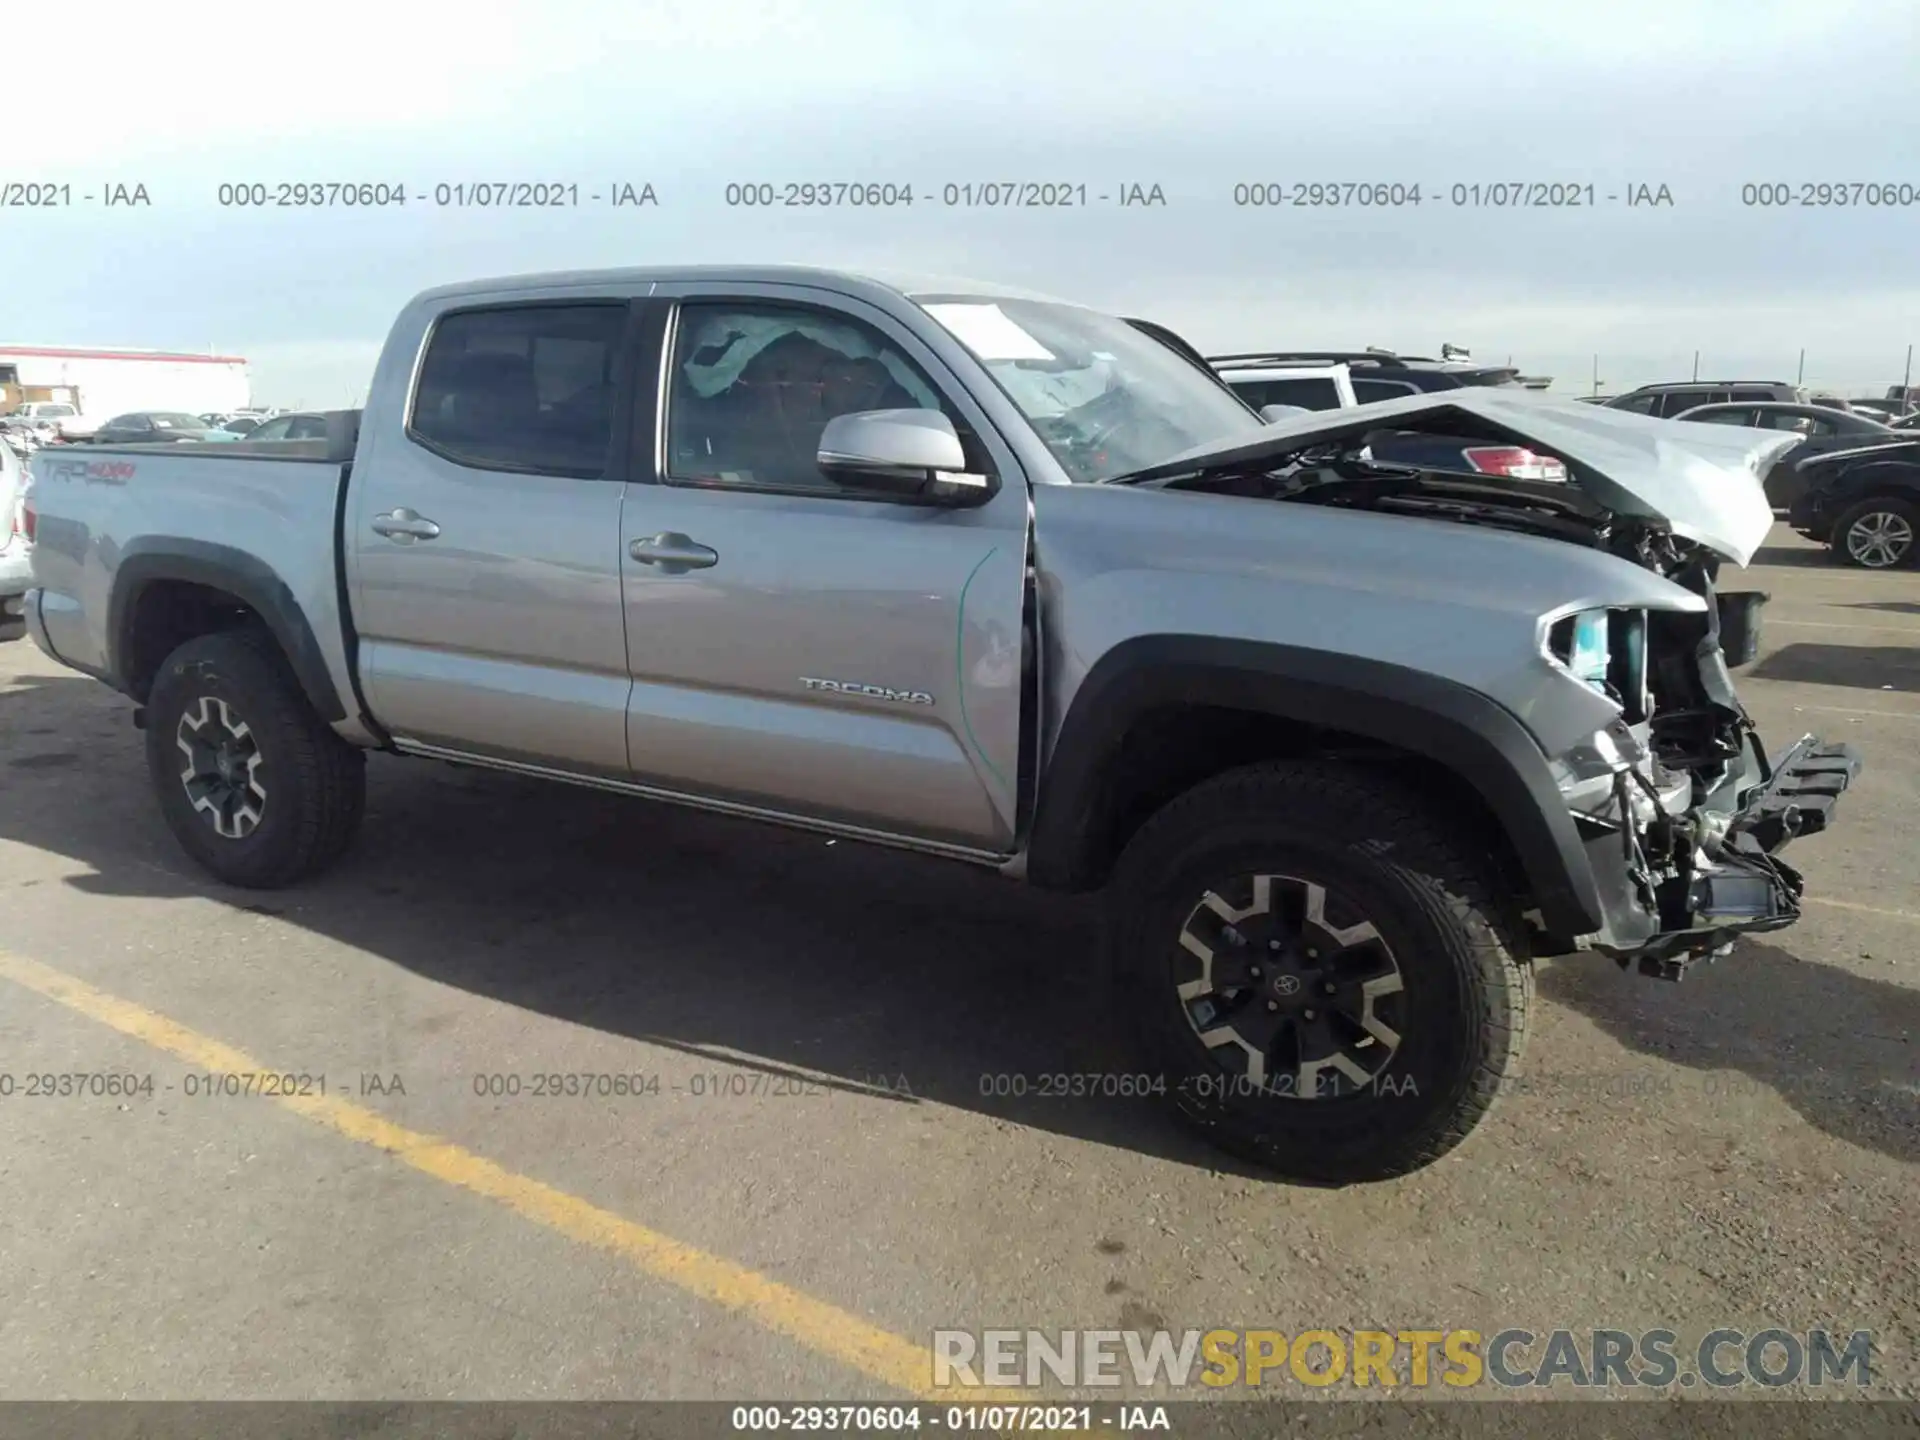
(1877, 534)
(1376, 983)
(253, 783)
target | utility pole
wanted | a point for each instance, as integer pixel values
(1696, 364)
(1906, 380)
(1801, 378)
(1596, 374)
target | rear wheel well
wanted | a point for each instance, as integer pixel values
(1169, 750)
(164, 616)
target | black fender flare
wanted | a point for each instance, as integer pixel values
(1472, 736)
(247, 578)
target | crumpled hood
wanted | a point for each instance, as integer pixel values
(1703, 482)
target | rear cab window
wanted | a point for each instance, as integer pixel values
(521, 387)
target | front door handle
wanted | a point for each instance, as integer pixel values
(672, 552)
(403, 526)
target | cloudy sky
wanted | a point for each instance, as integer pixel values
(1701, 96)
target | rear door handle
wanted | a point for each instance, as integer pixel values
(403, 526)
(672, 552)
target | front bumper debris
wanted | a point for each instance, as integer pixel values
(1807, 783)
(1738, 884)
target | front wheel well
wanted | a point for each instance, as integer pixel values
(1166, 752)
(165, 615)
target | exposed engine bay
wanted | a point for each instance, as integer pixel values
(1681, 810)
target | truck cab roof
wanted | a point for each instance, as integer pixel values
(640, 277)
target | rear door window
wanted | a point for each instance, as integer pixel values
(521, 387)
(1795, 424)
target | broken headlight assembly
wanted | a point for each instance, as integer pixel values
(1645, 813)
(1605, 650)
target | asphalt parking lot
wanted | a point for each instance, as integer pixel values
(814, 1173)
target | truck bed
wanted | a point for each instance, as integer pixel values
(343, 437)
(269, 508)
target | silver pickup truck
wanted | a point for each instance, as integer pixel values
(1006, 580)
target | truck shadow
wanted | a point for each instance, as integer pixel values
(1795, 556)
(910, 979)
(907, 979)
(1863, 667)
(1836, 1046)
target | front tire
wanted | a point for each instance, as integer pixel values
(1327, 977)
(1877, 534)
(253, 783)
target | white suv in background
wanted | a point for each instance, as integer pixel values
(46, 418)
(16, 550)
(1304, 386)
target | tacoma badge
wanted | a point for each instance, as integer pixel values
(873, 692)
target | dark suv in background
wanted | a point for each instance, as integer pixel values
(1667, 401)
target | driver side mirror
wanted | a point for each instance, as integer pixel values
(912, 454)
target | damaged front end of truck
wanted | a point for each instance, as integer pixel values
(1679, 810)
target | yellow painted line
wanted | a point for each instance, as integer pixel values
(820, 1327)
(1863, 909)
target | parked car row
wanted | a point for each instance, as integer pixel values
(1850, 481)
(240, 422)
(150, 427)
(36, 423)
(1339, 380)
(1673, 398)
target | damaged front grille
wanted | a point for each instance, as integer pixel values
(1703, 867)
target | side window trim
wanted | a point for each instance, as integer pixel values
(614, 465)
(669, 333)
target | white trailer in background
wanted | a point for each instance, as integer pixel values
(104, 383)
